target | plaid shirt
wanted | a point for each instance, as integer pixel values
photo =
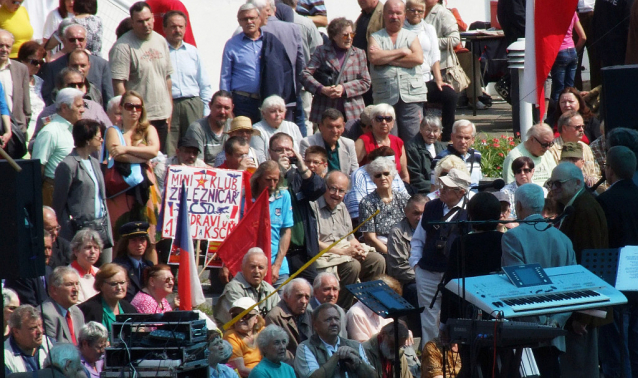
(598, 148)
(355, 80)
(591, 170)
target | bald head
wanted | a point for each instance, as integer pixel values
(6, 43)
(50, 221)
(539, 139)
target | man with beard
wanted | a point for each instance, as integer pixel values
(380, 351)
(209, 131)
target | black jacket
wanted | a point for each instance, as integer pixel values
(276, 70)
(420, 162)
(30, 290)
(92, 308)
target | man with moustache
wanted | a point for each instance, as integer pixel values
(62, 318)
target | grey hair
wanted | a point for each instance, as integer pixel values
(83, 236)
(24, 311)
(382, 109)
(531, 197)
(379, 165)
(68, 23)
(336, 173)
(316, 284)
(92, 332)
(67, 96)
(538, 130)
(291, 285)
(261, 4)
(66, 357)
(8, 32)
(271, 102)
(57, 277)
(228, 349)
(248, 7)
(433, 121)
(463, 123)
(113, 102)
(8, 295)
(49, 208)
(268, 334)
(253, 251)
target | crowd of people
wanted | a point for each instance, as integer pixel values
(338, 129)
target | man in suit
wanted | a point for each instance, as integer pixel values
(531, 243)
(99, 74)
(621, 210)
(587, 229)
(14, 77)
(63, 320)
(341, 153)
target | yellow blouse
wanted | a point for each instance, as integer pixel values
(19, 25)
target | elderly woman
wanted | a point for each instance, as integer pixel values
(158, 284)
(441, 169)
(111, 284)
(383, 118)
(420, 152)
(571, 99)
(220, 351)
(242, 336)
(10, 302)
(93, 339)
(79, 196)
(14, 18)
(438, 91)
(272, 342)
(390, 205)
(131, 249)
(32, 55)
(86, 247)
(523, 168)
(337, 59)
(273, 112)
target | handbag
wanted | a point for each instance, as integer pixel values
(326, 75)
(119, 177)
(99, 225)
(16, 147)
(455, 76)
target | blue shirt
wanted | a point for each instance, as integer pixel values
(4, 108)
(222, 371)
(268, 369)
(189, 77)
(241, 64)
(280, 218)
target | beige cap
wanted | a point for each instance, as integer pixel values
(242, 123)
(243, 304)
(456, 179)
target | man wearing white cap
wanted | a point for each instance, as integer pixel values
(431, 244)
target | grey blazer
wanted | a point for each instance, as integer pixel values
(21, 96)
(73, 192)
(55, 324)
(347, 154)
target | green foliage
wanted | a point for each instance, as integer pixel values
(494, 151)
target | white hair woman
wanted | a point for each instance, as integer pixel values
(91, 343)
(390, 204)
(86, 247)
(10, 302)
(273, 113)
(272, 342)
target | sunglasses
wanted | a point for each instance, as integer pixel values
(37, 62)
(544, 145)
(523, 170)
(577, 127)
(347, 36)
(383, 118)
(76, 85)
(378, 175)
(558, 183)
(137, 107)
(245, 318)
(73, 39)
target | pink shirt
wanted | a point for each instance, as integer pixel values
(145, 304)
(568, 42)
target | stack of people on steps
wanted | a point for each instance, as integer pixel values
(342, 130)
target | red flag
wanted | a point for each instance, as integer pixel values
(253, 230)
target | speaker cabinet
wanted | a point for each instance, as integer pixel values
(620, 99)
(21, 241)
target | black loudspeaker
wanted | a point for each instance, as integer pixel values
(22, 239)
(619, 98)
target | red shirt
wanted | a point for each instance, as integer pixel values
(161, 7)
(370, 144)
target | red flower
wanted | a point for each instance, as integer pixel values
(496, 145)
(517, 134)
(498, 168)
(495, 140)
(501, 154)
(483, 141)
(503, 136)
(512, 144)
(510, 138)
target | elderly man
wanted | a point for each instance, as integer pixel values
(380, 351)
(209, 131)
(55, 141)
(621, 212)
(24, 350)
(572, 128)
(539, 139)
(63, 320)
(14, 77)
(463, 134)
(395, 57)
(325, 289)
(292, 313)
(140, 61)
(191, 88)
(421, 151)
(325, 351)
(114, 111)
(529, 244)
(348, 259)
(316, 158)
(61, 255)
(74, 38)
(80, 60)
(242, 127)
(431, 243)
(341, 153)
(247, 283)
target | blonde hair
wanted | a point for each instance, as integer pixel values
(143, 123)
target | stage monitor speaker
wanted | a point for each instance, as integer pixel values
(22, 240)
(619, 97)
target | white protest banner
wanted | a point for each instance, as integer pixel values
(214, 198)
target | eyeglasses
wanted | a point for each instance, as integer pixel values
(335, 190)
(77, 85)
(116, 284)
(347, 36)
(378, 175)
(37, 62)
(522, 170)
(417, 11)
(544, 145)
(54, 229)
(73, 39)
(577, 127)
(558, 183)
(130, 107)
(383, 118)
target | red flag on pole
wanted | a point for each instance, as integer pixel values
(253, 230)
